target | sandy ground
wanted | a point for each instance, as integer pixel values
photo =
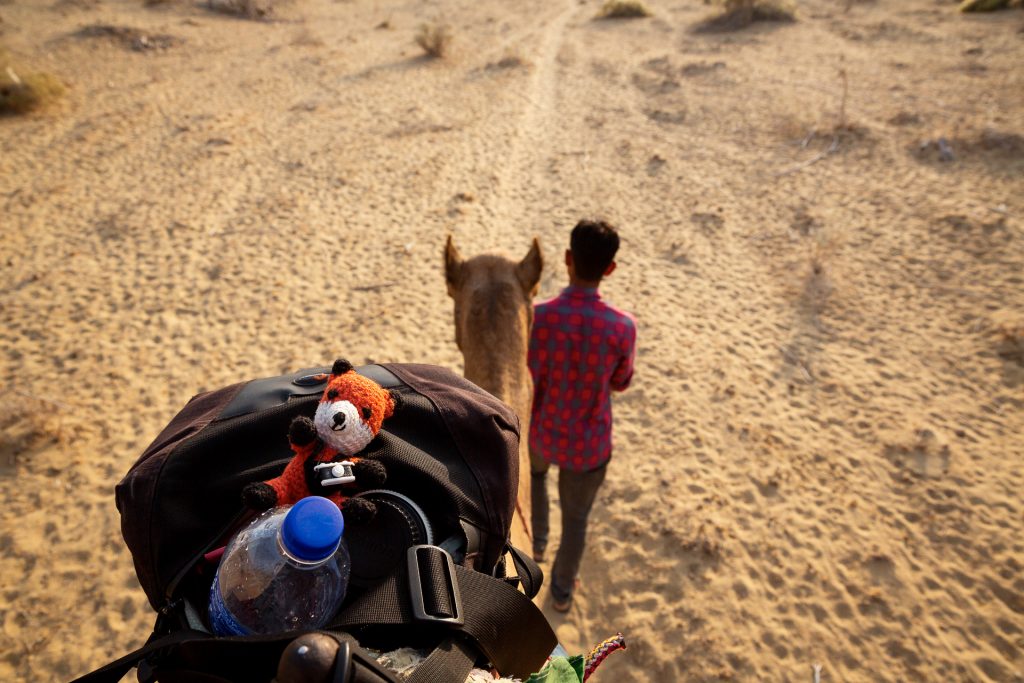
(820, 461)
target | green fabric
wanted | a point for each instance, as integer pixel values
(560, 670)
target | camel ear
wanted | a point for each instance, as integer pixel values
(452, 266)
(340, 367)
(529, 269)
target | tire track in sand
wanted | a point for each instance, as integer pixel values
(522, 178)
(510, 161)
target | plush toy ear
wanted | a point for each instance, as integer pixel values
(340, 367)
(394, 404)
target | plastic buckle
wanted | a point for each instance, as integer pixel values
(419, 608)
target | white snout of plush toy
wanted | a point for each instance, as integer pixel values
(341, 427)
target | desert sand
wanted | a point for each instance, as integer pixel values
(821, 460)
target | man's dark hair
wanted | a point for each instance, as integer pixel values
(593, 245)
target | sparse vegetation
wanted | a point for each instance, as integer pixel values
(80, 5)
(623, 9)
(738, 14)
(248, 9)
(988, 5)
(435, 39)
(842, 131)
(129, 38)
(22, 92)
(508, 62)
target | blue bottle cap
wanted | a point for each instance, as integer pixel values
(312, 529)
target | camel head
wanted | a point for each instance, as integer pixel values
(493, 297)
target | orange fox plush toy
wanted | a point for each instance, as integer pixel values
(348, 417)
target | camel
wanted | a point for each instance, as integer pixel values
(493, 315)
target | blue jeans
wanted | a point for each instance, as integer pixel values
(576, 491)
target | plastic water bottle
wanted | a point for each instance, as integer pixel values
(288, 570)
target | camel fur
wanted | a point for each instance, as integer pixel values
(493, 314)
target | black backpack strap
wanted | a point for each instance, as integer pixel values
(452, 660)
(531, 576)
(115, 671)
(430, 594)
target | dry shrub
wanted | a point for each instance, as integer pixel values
(510, 61)
(988, 5)
(22, 92)
(128, 38)
(623, 9)
(248, 9)
(81, 5)
(435, 39)
(737, 14)
(997, 141)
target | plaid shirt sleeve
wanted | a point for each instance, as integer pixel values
(623, 373)
(533, 361)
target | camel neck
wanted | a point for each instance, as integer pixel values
(500, 372)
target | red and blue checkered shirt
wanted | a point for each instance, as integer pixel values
(580, 350)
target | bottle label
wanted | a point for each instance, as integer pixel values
(222, 621)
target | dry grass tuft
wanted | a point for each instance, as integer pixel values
(738, 14)
(988, 5)
(508, 63)
(128, 38)
(247, 9)
(76, 5)
(22, 92)
(435, 40)
(623, 9)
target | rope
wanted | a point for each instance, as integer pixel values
(599, 653)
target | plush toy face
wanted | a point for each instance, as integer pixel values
(351, 411)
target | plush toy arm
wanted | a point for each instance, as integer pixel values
(369, 472)
(290, 487)
(358, 510)
(259, 495)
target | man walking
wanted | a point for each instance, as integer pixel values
(581, 349)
